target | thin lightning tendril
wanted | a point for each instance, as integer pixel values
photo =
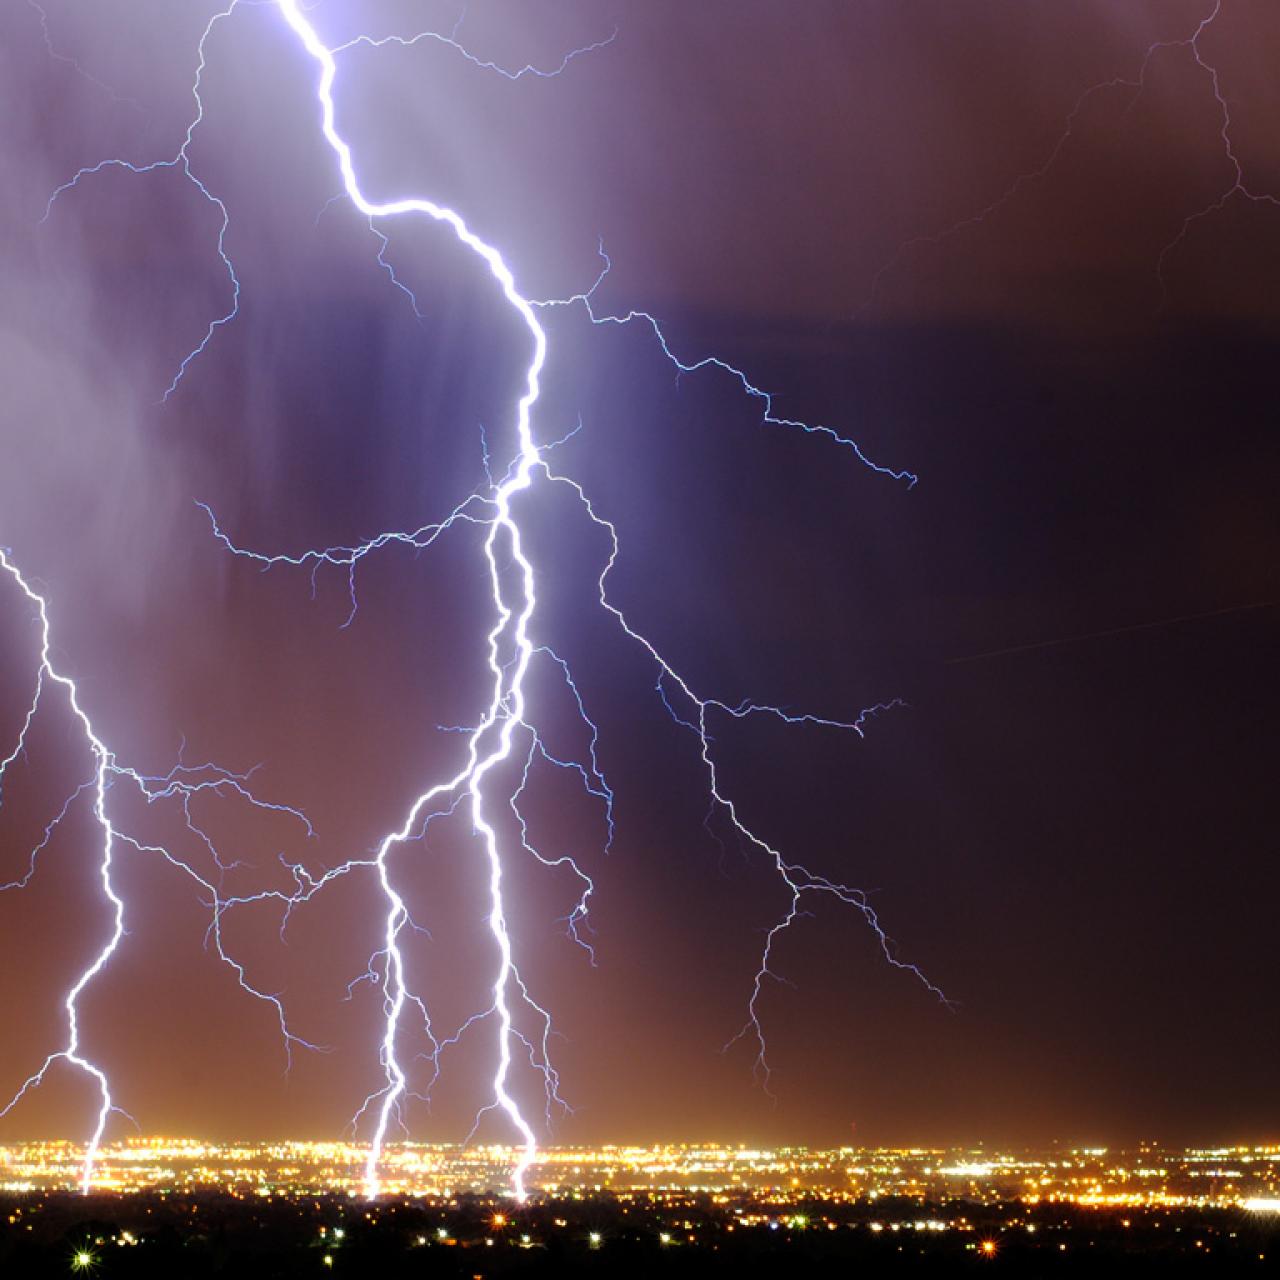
(1136, 84)
(798, 880)
(451, 41)
(1237, 186)
(645, 319)
(182, 162)
(57, 56)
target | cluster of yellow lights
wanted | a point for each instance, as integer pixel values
(1246, 1176)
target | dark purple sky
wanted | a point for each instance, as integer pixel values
(914, 223)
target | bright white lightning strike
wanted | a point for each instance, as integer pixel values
(71, 1052)
(506, 710)
(181, 783)
(502, 734)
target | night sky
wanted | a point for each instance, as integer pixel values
(913, 222)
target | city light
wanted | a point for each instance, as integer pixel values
(794, 1178)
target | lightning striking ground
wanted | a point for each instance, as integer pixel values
(503, 734)
(72, 1051)
(181, 783)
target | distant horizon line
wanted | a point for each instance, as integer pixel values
(1083, 1146)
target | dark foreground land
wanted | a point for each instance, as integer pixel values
(191, 1236)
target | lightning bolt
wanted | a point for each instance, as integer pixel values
(503, 734)
(182, 783)
(71, 1052)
